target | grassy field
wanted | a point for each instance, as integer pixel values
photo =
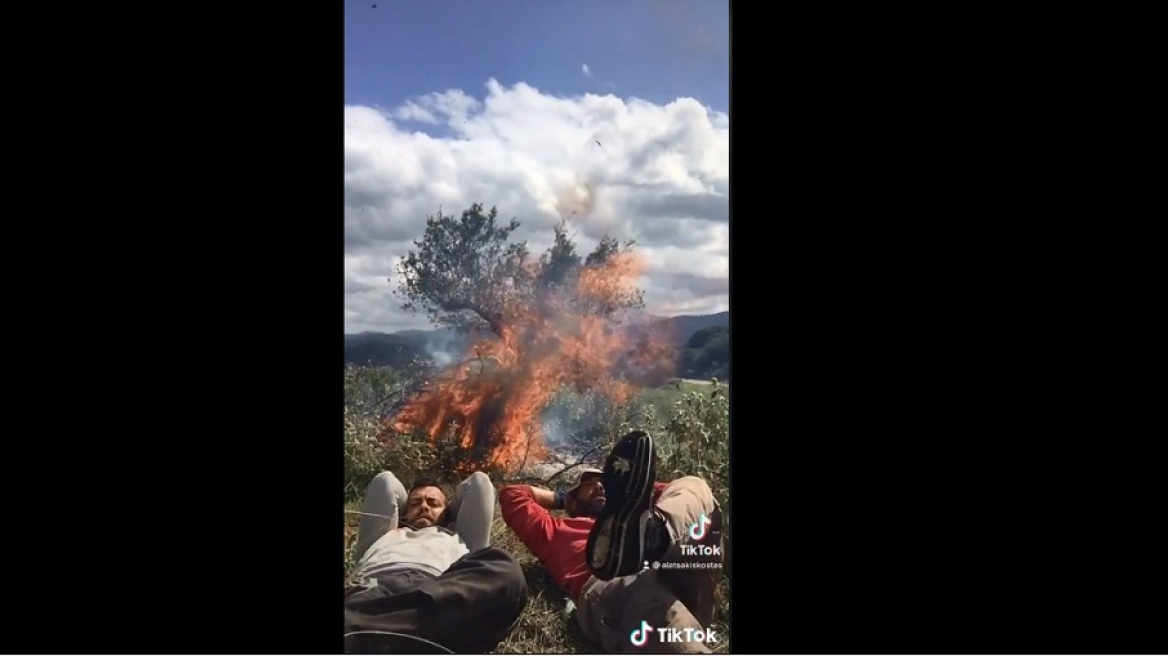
(664, 399)
(691, 423)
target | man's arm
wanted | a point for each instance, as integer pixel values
(544, 498)
(525, 511)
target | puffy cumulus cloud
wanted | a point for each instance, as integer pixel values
(628, 168)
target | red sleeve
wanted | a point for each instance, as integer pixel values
(658, 488)
(531, 522)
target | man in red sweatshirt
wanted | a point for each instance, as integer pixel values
(619, 520)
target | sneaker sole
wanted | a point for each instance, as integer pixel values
(616, 542)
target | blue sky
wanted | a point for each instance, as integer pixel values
(645, 157)
(656, 50)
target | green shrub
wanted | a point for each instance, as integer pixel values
(408, 456)
(696, 441)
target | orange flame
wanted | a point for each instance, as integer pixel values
(495, 398)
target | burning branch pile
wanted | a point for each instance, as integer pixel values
(559, 322)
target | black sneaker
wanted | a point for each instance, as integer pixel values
(628, 532)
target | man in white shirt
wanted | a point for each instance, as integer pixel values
(426, 569)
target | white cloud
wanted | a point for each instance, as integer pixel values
(585, 70)
(624, 167)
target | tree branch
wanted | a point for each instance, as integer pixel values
(582, 460)
(493, 319)
(413, 382)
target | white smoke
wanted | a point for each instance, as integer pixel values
(444, 349)
(555, 436)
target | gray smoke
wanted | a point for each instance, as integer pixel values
(555, 437)
(572, 422)
(444, 349)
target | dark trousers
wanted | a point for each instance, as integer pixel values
(469, 609)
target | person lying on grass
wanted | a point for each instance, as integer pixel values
(427, 569)
(618, 521)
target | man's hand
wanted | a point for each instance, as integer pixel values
(544, 497)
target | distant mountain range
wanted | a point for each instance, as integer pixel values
(390, 349)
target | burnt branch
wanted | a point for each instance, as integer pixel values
(526, 451)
